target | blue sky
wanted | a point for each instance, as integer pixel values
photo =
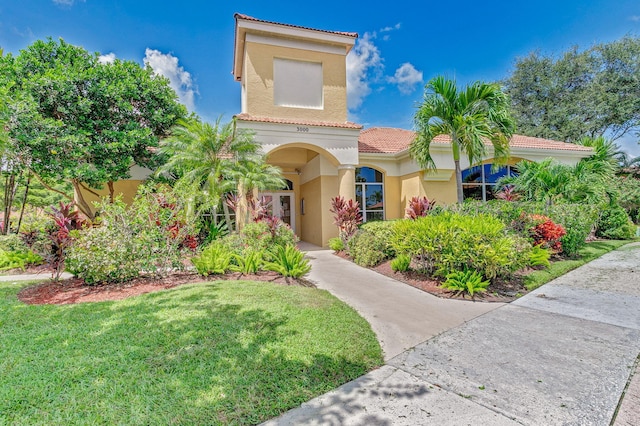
(401, 45)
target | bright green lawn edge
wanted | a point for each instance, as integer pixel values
(225, 352)
(591, 251)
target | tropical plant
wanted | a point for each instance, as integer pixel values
(214, 260)
(401, 263)
(539, 256)
(65, 220)
(467, 281)
(418, 206)
(472, 116)
(288, 261)
(614, 223)
(371, 245)
(507, 193)
(546, 233)
(347, 217)
(250, 262)
(336, 244)
(18, 259)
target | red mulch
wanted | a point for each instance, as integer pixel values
(502, 291)
(75, 290)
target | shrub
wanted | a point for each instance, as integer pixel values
(370, 245)
(65, 220)
(418, 207)
(215, 259)
(18, 259)
(261, 236)
(545, 233)
(250, 262)
(539, 256)
(336, 244)
(401, 263)
(615, 224)
(12, 242)
(289, 262)
(450, 242)
(149, 236)
(346, 216)
(467, 281)
(107, 253)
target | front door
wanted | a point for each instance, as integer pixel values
(280, 204)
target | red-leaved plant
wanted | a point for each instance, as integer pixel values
(65, 219)
(418, 207)
(508, 193)
(346, 216)
(546, 233)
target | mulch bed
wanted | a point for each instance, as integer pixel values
(75, 290)
(501, 291)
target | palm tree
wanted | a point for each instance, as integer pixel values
(201, 156)
(471, 116)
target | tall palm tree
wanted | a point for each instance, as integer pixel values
(202, 156)
(471, 116)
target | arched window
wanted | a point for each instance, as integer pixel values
(478, 182)
(370, 193)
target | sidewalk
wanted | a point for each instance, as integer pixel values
(560, 355)
(33, 277)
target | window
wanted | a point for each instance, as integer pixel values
(370, 193)
(478, 182)
(297, 83)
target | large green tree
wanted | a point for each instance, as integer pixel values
(74, 118)
(592, 92)
(471, 116)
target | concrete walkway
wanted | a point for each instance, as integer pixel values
(33, 277)
(560, 355)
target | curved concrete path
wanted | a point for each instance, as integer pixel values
(563, 354)
(400, 315)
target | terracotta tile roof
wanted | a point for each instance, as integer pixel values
(390, 141)
(344, 124)
(250, 18)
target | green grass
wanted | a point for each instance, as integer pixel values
(590, 252)
(233, 352)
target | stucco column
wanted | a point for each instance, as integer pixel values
(347, 181)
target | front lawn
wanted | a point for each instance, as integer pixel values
(231, 352)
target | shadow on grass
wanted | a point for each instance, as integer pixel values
(188, 356)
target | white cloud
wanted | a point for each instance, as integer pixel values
(407, 77)
(65, 2)
(107, 59)
(635, 18)
(393, 28)
(364, 64)
(180, 80)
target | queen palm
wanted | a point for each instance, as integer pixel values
(470, 117)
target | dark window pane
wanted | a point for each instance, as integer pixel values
(359, 195)
(474, 192)
(473, 174)
(367, 174)
(374, 197)
(374, 216)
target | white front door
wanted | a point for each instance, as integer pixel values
(281, 204)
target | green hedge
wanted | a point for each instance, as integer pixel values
(371, 245)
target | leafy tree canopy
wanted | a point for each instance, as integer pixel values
(590, 93)
(74, 118)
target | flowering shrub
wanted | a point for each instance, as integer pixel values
(546, 233)
(65, 220)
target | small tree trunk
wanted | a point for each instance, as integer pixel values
(459, 182)
(111, 191)
(24, 202)
(227, 214)
(79, 200)
(9, 193)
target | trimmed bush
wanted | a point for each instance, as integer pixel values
(615, 224)
(371, 244)
(451, 242)
(12, 242)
